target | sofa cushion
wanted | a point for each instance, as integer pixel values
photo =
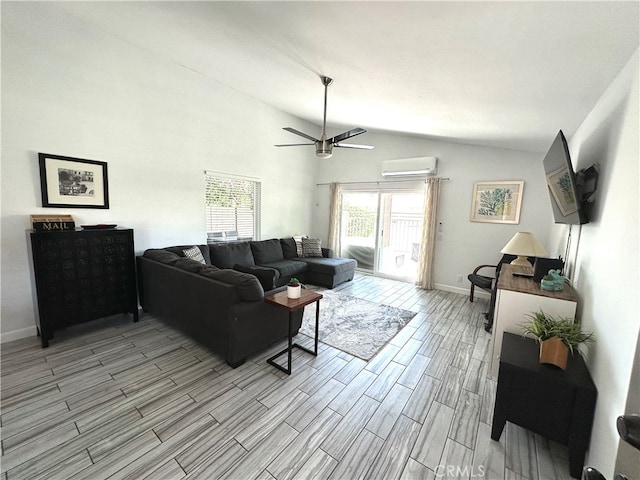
(266, 251)
(179, 250)
(311, 247)
(266, 276)
(331, 265)
(189, 265)
(247, 286)
(226, 255)
(288, 267)
(161, 255)
(194, 253)
(289, 249)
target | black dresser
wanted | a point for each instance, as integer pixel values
(81, 275)
(557, 404)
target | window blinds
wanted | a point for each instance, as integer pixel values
(232, 206)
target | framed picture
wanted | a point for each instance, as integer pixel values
(497, 202)
(559, 183)
(73, 182)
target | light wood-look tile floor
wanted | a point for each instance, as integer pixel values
(117, 399)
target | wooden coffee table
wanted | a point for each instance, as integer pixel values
(281, 300)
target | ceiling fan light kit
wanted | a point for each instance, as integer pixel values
(324, 149)
(324, 146)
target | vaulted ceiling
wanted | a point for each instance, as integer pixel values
(507, 74)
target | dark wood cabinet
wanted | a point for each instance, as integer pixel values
(82, 275)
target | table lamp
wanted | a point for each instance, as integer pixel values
(524, 244)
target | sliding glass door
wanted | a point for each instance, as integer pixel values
(381, 230)
(401, 227)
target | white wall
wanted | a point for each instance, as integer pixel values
(464, 244)
(605, 258)
(69, 89)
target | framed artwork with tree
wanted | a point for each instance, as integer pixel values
(559, 183)
(497, 202)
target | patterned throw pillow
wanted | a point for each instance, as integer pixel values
(311, 247)
(194, 253)
(298, 240)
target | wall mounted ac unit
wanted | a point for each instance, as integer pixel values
(410, 167)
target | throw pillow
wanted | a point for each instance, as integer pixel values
(311, 247)
(298, 240)
(194, 253)
(179, 250)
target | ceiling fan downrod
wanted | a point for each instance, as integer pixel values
(324, 149)
(326, 81)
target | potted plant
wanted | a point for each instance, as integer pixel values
(293, 288)
(557, 337)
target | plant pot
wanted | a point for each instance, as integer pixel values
(293, 292)
(554, 352)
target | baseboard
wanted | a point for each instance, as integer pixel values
(461, 291)
(18, 334)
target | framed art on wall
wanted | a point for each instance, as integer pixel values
(73, 182)
(560, 186)
(497, 202)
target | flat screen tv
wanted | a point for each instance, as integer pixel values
(561, 181)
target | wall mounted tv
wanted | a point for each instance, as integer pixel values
(561, 181)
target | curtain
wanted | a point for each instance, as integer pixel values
(429, 229)
(334, 217)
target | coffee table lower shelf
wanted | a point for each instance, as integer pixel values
(281, 300)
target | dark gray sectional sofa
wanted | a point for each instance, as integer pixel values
(280, 256)
(220, 303)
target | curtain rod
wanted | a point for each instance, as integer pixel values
(378, 182)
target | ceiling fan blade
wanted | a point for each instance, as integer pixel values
(297, 132)
(352, 145)
(348, 134)
(294, 144)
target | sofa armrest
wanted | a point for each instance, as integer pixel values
(327, 253)
(281, 288)
(266, 276)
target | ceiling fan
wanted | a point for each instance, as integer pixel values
(324, 146)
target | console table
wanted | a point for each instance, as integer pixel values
(82, 275)
(281, 300)
(518, 297)
(554, 403)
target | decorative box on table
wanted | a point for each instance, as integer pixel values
(52, 223)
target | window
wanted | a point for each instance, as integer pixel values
(232, 206)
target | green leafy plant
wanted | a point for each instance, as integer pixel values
(564, 182)
(496, 202)
(294, 282)
(543, 327)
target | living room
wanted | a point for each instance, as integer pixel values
(71, 88)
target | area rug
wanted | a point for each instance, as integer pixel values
(354, 325)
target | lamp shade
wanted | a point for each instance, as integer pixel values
(524, 244)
